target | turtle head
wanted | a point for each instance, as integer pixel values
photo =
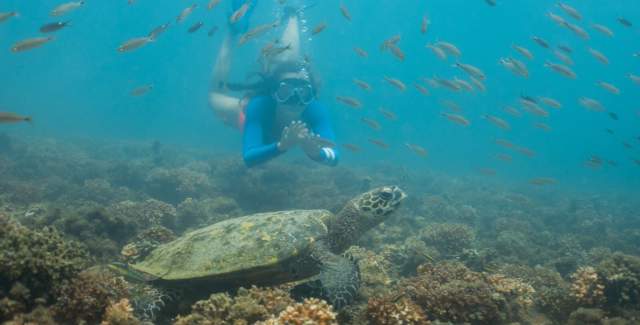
(379, 203)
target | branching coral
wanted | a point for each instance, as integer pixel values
(587, 288)
(388, 312)
(39, 260)
(247, 307)
(85, 298)
(310, 312)
(120, 313)
(449, 239)
(449, 291)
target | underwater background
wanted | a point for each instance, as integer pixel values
(490, 233)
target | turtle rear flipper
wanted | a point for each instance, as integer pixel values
(337, 283)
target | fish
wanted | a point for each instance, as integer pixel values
(450, 105)
(30, 43)
(389, 115)
(463, 84)
(516, 67)
(351, 147)
(8, 117)
(319, 28)
(65, 8)
(542, 181)
(457, 118)
(271, 50)
(424, 25)
(396, 83)
(134, 43)
(422, 89)
(542, 126)
(604, 30)
(440, 53)
(566, 59)
(257, 32)
(471, 70)
(237, 15)
(565, 49)
(523, 51)
(609, 87)
(591, 104)
(212, 31)
(362, 84)
(627, 145)
(448, 84)
(571, 11)
(599, 56)
(360, 52)
(504, 157)
(561, 69)
(497, 122)
(540, 42)
(349, 101)
(393, 40)
(4, 16)
(141, 90)
(186, 12)
(625, 22)
(345, 12)
(634, 78)
(505, 143)
(195, 27)
(375, 125)
(535, 109)
(478, 84)
(396, 51)
(551, 102)
(449, 48)
(577, 30)
(212, 4)
(487, 171)
(512, 111)
(417, 149)
(54, 27)
(610, 131)
(379, 143)
(594, 162)
(156, 32)
(525, 151)
(491, 3)
(557, 19)
(613, 116)
(529, 99)
(637, 161)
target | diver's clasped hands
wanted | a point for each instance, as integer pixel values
(297, 133)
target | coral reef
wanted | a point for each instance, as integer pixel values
(449, 291)
(448, 239)
(85, 298)
(376, 274)
(402, 311)
(310, 311)
(202, 212)
(587, 287)
(145, 214)
(34, 264)
(246, 307)
(621, 276)
(120, 313)
(145, 242)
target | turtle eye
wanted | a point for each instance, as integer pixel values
(385, 195)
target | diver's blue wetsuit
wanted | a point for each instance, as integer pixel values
(259, 141)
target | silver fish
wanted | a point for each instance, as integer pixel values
(573, 12)
(54, 27)
(577, 30)
(603, 29)
(523, 51)
(471, 70)
(66, 7)
(134, 43)
(185, 13)
(4, 16)
(591, 104)
(561, 69)
(156, 32)
(30, 43)
(609, 87)
(449, 48)
(599, 56)
(257, 32)
(439, 52)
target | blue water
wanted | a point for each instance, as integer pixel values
(78, 85)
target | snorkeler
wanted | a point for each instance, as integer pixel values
(281, 111)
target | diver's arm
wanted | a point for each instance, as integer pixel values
(317, 118)
(254, 150)
(221, 101)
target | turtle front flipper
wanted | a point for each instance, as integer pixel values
(337, 283)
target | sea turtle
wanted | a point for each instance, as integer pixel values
(271, 248)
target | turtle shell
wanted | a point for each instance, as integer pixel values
(258, 248)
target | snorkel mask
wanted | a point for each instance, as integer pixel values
(294, 91)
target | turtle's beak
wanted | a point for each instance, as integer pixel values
(398, 193)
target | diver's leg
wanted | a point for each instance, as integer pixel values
(291, 37)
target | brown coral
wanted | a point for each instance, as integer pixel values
(310, 312)
(587, 287)
(120, 313)
(387, 312)
(449, 238)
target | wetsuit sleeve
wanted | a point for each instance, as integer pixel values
(317, 117)
(254, 150)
